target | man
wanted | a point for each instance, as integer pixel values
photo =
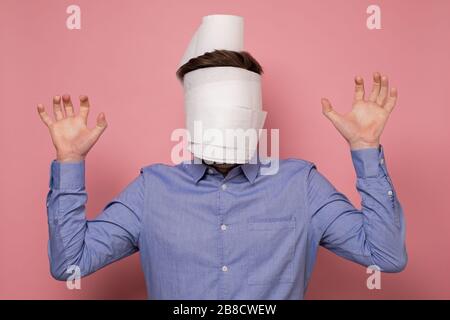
(224, 230)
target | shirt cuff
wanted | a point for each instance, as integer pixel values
(369, 162)
(67, 175)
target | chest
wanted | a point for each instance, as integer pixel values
(209, 224)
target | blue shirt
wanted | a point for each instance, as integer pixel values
(245, 236)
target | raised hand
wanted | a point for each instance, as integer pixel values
(363, 125)
(70, 134)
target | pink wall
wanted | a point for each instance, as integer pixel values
(124, 58)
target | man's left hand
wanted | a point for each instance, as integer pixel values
(362, 126)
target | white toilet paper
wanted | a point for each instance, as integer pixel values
(218, 31)
(223, 103)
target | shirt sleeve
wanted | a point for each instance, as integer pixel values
(89, 245)
(372, 236)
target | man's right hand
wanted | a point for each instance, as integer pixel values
(70, 134)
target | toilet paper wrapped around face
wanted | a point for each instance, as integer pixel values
(220, 154)
(223, 105)
(224, 115)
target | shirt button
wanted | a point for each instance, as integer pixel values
(223, 227)
(382, 161)
(390, 193)
(224, 187)
(224, 268)
(210, 171)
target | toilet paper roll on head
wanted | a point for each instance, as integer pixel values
(223, 104)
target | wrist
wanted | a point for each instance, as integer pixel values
(363, 145)
(67, 158)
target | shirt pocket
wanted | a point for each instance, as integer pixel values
(271, 251)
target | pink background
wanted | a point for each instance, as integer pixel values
(125, 57)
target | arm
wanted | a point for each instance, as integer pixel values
(114, 234)
(374, 235)
(90, 245)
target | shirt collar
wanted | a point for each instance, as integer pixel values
(250, 170)
(197, 170)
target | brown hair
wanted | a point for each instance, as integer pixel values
(221, 58)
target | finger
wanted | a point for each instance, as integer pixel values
(329, 112)
(100, 126)
(391, 100)
(68, 106)
(84, 107)
(44, 116)
(376, 87)
(57, 109)
(359, 89)
(381, 99)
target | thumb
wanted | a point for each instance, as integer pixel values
(100, 125)
(329, 112)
